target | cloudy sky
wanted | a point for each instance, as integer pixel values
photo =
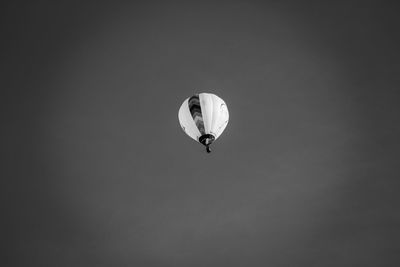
(97, 171)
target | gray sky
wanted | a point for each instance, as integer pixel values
(99, 172)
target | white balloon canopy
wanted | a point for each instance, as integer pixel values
(203, 117)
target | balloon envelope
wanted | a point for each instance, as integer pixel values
(203, 116)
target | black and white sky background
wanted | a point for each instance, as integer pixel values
(97, 171)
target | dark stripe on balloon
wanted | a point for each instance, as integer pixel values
(195, 110)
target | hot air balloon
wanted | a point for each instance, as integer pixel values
(203, 117)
